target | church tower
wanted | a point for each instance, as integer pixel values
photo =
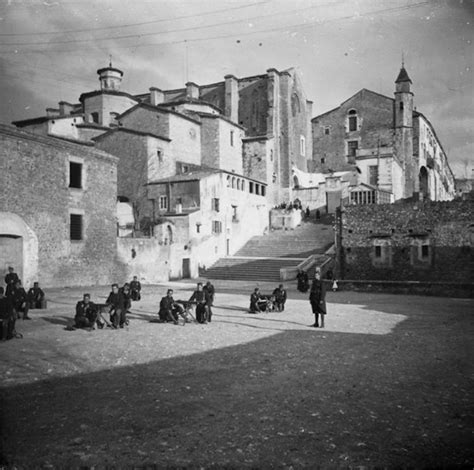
(403, 142)
(110, 78)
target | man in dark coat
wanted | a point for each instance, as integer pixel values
(36, 297)
(169, 309)
(280, 297)
(127, 297)
(87, 314)
(258, 303)
(7, 317)
(116, 304)
(211, 292)
(202, 300)
(135, 289)
(20, 301)
(11, 277)
(317, 299)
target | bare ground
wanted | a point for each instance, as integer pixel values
(388, 383)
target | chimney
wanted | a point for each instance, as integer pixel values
(65, 108)
(232, 98)
(156, 96)
(192, 91)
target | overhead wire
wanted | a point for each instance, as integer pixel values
(130, 25)
(236, 34)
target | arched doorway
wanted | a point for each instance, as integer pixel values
(18, 248)
(423, 183)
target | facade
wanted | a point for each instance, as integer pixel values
(394, 147)
(57, 210)
(408, 241)
(209, 213)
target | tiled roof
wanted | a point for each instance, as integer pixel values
(403, 76)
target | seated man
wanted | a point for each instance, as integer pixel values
(36, 297)
(258, 303)
(203, 300)
(116, 304)
(127, 298)
(135, 289)
(20, 301)
(169, 309)
(87, 314)
(7, 317)
(280, 298)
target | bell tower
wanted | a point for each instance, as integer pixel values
(110, 77)
(403, 143)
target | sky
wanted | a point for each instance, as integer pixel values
(50, 51)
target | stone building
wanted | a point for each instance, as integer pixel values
(395, 147)
(252, 129)
(57, 210)
(408, 241)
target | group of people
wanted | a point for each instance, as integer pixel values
(267, 303)
(15, 302)
(203, 298)
(118, 304)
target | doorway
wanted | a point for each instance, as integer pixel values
(11, 254)
(186, 268)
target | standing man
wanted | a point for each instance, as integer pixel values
(210, 291)
(7, 316)
(10, 280)
(36, 297)
(135, 289)
(280, 297)
(317, 299)
(116, 303)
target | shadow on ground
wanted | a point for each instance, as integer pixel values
(296, 398)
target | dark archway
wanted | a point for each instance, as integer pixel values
(424, 183)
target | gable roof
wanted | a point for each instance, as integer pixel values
(156, 109)
(129, 131)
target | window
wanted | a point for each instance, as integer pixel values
(295, 104)
(163, 202)
(95, 117)
(374, 175)
(382, 253)
(184, 168)
(352, 147)
(232, 138)
(216, 226)
(215, 204)
(234, 214)
(75, 226)
(198, 228)
(302, 146)
(378, 251)
(327, 131)
(425, 251)
(352, 121)
(75, 175)
(401, 105)
(323, 160)
(262, 192)
(250, 187)
(159, 154)
(271, 155)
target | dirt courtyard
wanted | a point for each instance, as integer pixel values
(388, 382)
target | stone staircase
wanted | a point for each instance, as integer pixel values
(262, 257)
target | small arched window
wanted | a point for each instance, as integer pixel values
(352, 120)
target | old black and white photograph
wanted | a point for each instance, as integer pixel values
(236, 234)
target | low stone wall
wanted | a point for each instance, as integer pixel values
(437, 289)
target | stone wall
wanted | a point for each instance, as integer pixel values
(433, 241)
(34, 186)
